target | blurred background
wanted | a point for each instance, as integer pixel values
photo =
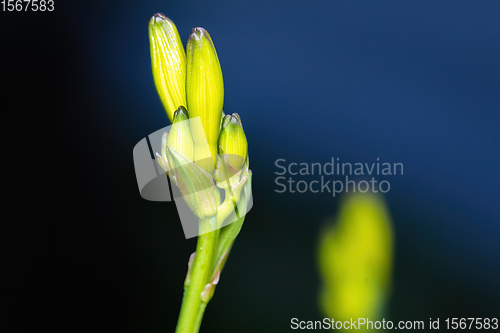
(410, 82)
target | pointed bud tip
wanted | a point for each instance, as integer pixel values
(226, 120)
(199, 33)
(231, 119)
(159, 17)
(237, 118)
(181, 114)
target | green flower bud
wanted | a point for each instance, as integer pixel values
(179, 138)
(233, 142)
(205, 92)
(168, 61)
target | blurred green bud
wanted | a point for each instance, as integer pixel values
(179, 137)
(233, 142)
(168, 61)
(355, 259)
(205, 92)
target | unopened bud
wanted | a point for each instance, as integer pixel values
(168, 61)
(179, 138)
(204, 91)
(233, 142)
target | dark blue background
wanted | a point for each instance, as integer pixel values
(411, 82)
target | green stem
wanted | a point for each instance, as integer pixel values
(200, 316)
(201, 273)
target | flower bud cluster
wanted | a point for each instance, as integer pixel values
(204, 149)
